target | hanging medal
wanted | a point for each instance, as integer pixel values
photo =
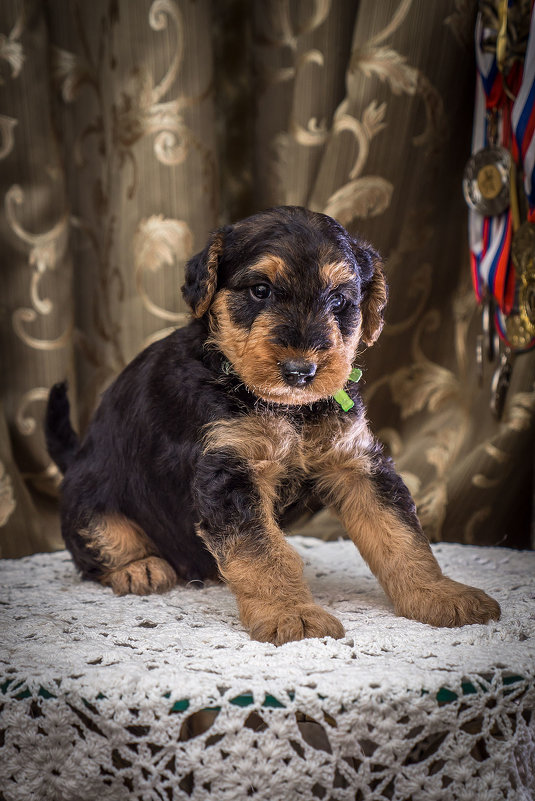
(502, 242)
(520, 325)
(486, 175)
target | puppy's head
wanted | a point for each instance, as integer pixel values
(289, 295)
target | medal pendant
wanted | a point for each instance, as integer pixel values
(526, 304)
(486, 181)
(490, 336)
(500, 384)
(479, 359)
(523, 250)
(519, 335)
(521, 327)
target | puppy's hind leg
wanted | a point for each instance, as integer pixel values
(123, 557)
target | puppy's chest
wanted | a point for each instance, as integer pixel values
(285, 451)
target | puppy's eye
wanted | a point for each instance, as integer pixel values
(338, 302)
(260, 291)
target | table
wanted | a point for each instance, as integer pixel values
(166, 697)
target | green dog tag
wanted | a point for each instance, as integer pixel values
(341, 397)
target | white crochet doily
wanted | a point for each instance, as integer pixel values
(166, 697)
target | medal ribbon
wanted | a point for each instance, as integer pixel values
(490, 237)
(523, 123)
(523, 141)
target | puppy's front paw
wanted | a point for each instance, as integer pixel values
(281, 624)
(448, 603)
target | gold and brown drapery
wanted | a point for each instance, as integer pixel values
(128, 130)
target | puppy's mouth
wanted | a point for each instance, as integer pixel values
(295, 382)
(288, 396)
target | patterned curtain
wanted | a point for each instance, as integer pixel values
(131, 128)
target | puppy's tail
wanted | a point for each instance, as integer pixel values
(61, 440)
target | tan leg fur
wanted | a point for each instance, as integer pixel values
(265, 573)
(142, 577)
(402, 559)
(274, 602)
(129, 558)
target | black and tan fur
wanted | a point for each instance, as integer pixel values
(215, 437)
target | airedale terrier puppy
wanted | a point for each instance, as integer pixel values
(213, 438)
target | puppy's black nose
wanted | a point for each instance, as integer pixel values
(298, 372)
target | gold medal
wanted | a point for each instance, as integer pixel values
(489, 181)
(526, 304)
(521, 327)
(486, 181)
(523, 250)
(519, 334)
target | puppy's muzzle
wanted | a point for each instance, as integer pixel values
(298, 372)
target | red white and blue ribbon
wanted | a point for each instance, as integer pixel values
(523, 122)
(490, 237)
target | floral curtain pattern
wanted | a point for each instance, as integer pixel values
(129, 130)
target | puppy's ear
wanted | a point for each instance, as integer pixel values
(374, 292)
(201, 275)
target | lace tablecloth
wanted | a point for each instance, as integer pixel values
(165, 697)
